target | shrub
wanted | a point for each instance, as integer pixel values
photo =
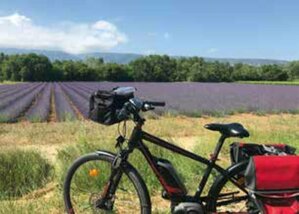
(21, 172)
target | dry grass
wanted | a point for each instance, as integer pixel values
(187, 132)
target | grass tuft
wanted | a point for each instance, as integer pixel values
(35, 119)
(21, 172)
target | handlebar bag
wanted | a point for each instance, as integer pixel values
(104, 106)
(274, 183)
(243, 151)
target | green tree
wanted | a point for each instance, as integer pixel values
(116, 72)
(246, 72)
(293, 69)
(154, 68)
(196, 70)
(273, 73)
(182, 70)
(11, 68)
(93, 62)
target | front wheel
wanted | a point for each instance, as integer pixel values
(87, 179)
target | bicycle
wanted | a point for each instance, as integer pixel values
(111, 172)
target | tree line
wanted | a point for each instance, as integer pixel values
(155, 68)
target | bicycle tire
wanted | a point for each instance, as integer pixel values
(220, 183)
(128, 169)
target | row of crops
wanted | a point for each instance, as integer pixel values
(69, 100)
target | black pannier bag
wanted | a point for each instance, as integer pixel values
(273, 183)
(104, 105)
(243, 151)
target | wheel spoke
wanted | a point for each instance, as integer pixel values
(86, 207)
(229, 197)
(80, 189)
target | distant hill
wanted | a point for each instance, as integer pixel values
(248, 61)
(124, 58)
(52, 55)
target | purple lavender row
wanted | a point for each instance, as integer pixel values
(5, 88)
(13, 111)
(87, 86)
(78, 90)
(9, 91)
(17, 89)
(63, 108)
(9, 100)
(2, 86)
(40, 111)
(180, 97)
(83, 87)
(215, 97)
(81, 103)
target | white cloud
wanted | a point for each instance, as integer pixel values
(212, 50)
(166, 35)
(105, 26)
(18, 31)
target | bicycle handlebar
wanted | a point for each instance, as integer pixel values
(135, 105)
(154, 103)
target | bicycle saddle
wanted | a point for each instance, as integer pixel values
(229, 130)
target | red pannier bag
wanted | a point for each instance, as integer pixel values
(243, 151)
(273, 183)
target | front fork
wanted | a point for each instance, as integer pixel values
(107, 197)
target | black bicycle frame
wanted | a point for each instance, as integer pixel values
(136, 141)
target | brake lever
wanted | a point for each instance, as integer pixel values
(147, 107)
(137, 103)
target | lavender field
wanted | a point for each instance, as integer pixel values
(40, 102)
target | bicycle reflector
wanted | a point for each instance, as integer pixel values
(93, 172)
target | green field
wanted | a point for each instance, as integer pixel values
(293, 82)
(8, 82)
(61, 143)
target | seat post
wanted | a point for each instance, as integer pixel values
(213, 159)
(218, 147)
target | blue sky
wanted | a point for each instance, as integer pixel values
(214, 28)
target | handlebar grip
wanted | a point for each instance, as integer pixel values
(153, 103)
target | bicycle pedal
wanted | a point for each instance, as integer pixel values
(188, 207)
(165, 195)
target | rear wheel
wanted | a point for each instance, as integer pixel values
(225, 197)
(87, 179)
